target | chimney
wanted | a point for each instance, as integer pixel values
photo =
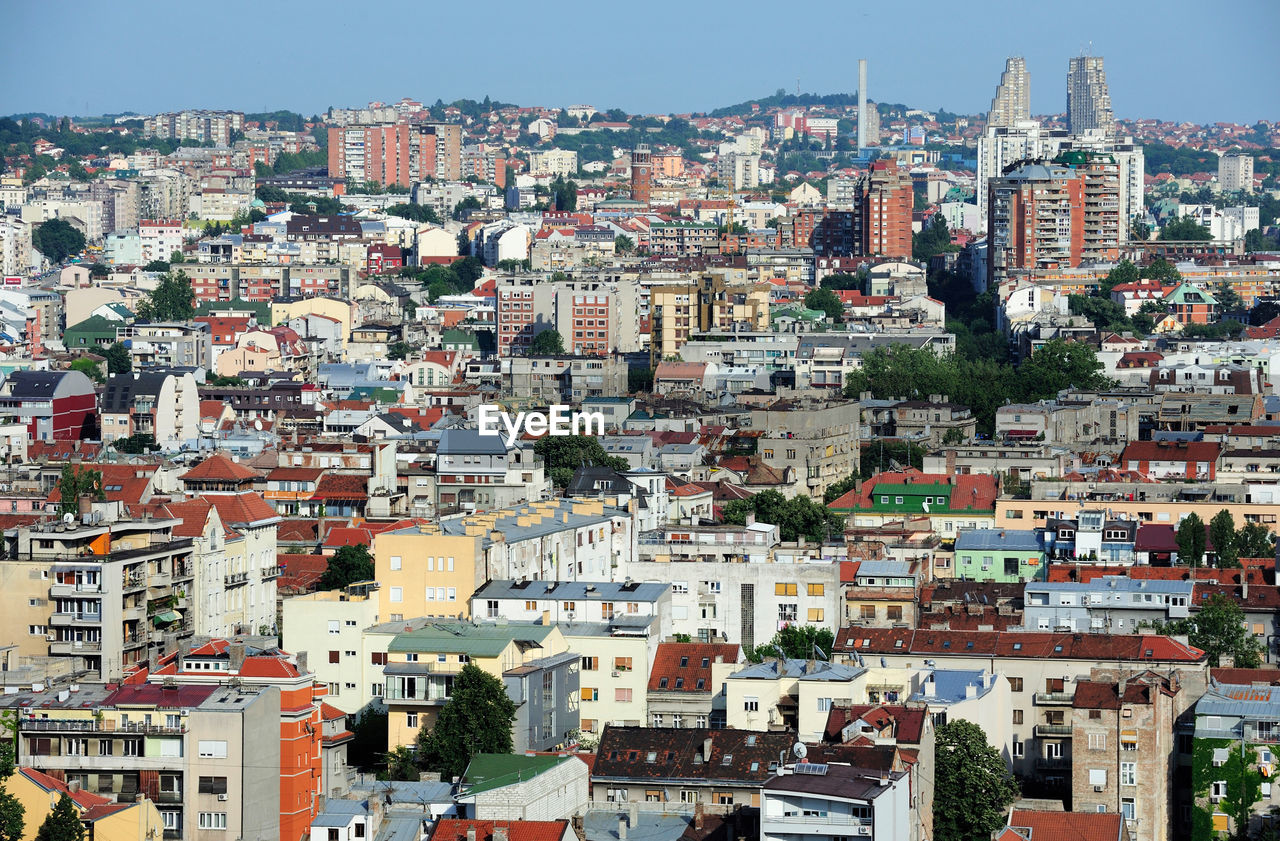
(622, 828)
(697, 817)
(73, 785)
(301, 657)
(500, 833)
(471, 832)
(635, 815)
(84, 507)
(236, 654)
(706, 749)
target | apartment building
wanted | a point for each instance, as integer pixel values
(1235, 172)
(163, 405)
(833, 801)
(819, 443)
(532, 660)
(1233, 739)
(422, 571)
(101, 589)
(1122, 737)
(216, 127)
(886, 201)
(477, 473)
(167, 344)
(160, 238)
(334, 629)
(686, 684)
(553, 162)
(1035, 219)
(790, 694)
(569, 379)
(709, 302)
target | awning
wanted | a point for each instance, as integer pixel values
(1021, 433)
(166, 617)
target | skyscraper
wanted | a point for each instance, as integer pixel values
(1088, 101)
(862, 103)
(1012, 101)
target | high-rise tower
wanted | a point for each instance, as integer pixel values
(641, 173)
(1088, 101)
(1012, 101)
(862, 103)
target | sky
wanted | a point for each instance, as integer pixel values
(86, 57)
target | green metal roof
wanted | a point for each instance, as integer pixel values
(494, 770)
(484, 640)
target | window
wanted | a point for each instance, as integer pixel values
(1127, 808)
(212, 748)
(335, 626)
(397, 594)
(894, 612)
(378, 658)
(680, 588)
(411, 720)
(784, 589)
(335, 657)
(788, 611)
(171, 820)
(622, 664)
(1218, 790)
(590, 664)
(751, 703)
(867, 611)
(816, 614)
(1097, 741)
(132, 747)
(213, 820)
(1017, 716)
(1018, 751)
(622, 696)
(1097, 776)
(824, 705)
(213, 785)
(688, 795)
(395, 562)
(1015, 684)
(657, 719)
(1128, 773)
(816, 589)
(590, 693)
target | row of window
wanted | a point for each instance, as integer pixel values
(433, 594)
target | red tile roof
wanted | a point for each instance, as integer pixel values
(194, 515)
(1170, 451)
(684, 661)
(301, 572)
(343, 486)
(1068, 826)
(62, 450)
(268, 666)
(1042, 646)
(908, 722)
(455, 829)
(219, 468)
(82, 798)
(242, 508)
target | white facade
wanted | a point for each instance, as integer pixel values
(1235, 172)
(335, 621)
(159, 239)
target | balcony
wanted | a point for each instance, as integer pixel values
(816, 821)
(71, 647)
(93, 725)
(169, 797)
(75, 619)
(235, 579)
(1053, 763)
(1052, 698)
(72, 590)
(160, 548)
(270, 573)
(1055, 730)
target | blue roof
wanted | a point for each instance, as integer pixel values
(884, 569)
(1007, 540)
(1239, 700)
(470, 442)
(800, 670)
(949, 685)
(1116, 583)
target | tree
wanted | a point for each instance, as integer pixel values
(12, 814)
(797, 642)
(1184, 229)
(89, 368)
(76, 482)
(839, 488)
(1140, 232)
(563, 454)
(825, 300)
(1222, 532)
(137, 444)
(156, 266)
(99, 270)
(1228, 299)
(399, 350)
(623, 244)
(1057, 365)
(1124, 272)
(119, 360)
(63, 823)
(224, 381)
(1255, 541)
(972, 785)
(841, 281)
(547, 343)
(795, 518)
(414, 213)
(1162, 270)
(934, 239)
(57, 240)
(1218, 628)
(1190, 538)
(367, 749)
(639, 380)
(401, 765)
(477, 719)
(349, 564)
(172, 300)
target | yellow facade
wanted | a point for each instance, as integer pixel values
(411, 562)
(1032, 513)
(330, 307)
(137, 822)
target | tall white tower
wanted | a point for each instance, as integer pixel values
(862, 104)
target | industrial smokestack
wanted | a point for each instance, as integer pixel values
(862, 104)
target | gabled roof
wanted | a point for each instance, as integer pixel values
(1067, 826)
(220, 468)
(457, 829)
(687, 663)
(243, 509)
(641, 753)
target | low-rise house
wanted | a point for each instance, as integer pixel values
(686, 684)
(1006, 555)
(510, 787)
(794, 695)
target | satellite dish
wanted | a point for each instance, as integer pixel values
(925, 505)
(800, 750)
(68, 518)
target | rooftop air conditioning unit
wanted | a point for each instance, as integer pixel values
(222, 797)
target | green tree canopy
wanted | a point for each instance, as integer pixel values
(173, 299)
(119, 360)
(972, 784)
(563, 454)
(63, 823)
(399, 350)
(839, 488)
(415, 213)
(1184, 229)
(1190, 537)
(840, 282)
(547, 343)
(934, 239)
(76, 482)
(797, 517)
(137, 444)
(1218, 628)
(12, 814)
(477, 719)
(89, 368)
(826, 300)
(348, 565)
(1222, 531)
(623, 244)
(57, 240)
(1255, 541)
(1162, 270)
(797, 642)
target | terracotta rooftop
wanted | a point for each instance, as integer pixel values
(219, 468)
(686, 666)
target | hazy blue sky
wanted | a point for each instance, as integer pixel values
(1174, 60)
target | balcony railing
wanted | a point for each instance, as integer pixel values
(841, 820)
(93, 725)
(1045, 698)
(235, 579)
(270, 572)
(75, 619)
(1058, 730)
(109, 557)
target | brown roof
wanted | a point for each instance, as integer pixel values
(219, 468)
(667, 753)
(1068, 826)
(456, 829)
(1094, 695)
(686, 666)
(342, 486)
(1133, 647)
(907, 722)
(242, 508)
